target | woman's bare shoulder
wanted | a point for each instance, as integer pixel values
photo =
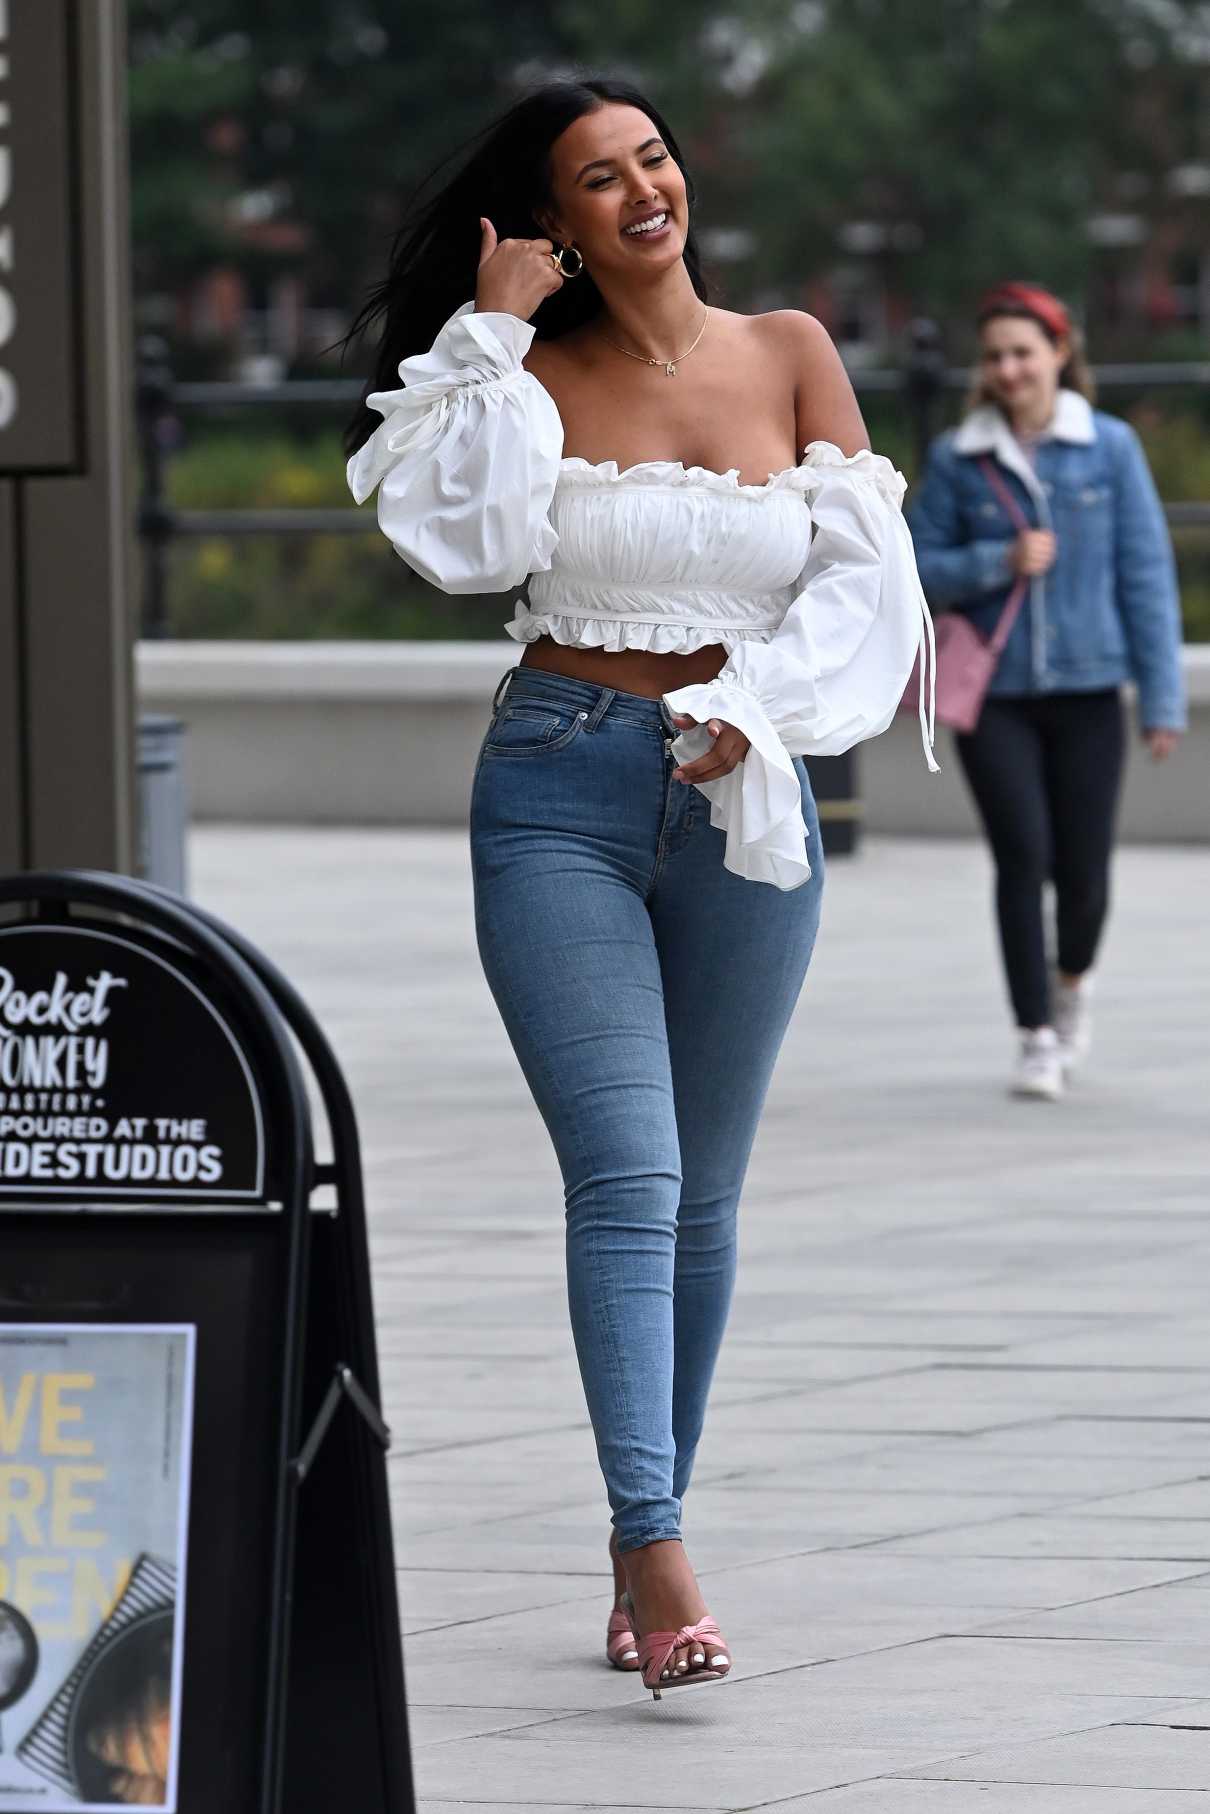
(825, 405)
(796, 341)
(802, 337)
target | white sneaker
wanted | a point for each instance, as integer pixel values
(1073, 1019)
(1039, 1069)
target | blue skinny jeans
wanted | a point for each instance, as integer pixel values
(646, 991)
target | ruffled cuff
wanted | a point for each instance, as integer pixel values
(471, 352)
(470, 349)
(759, 804)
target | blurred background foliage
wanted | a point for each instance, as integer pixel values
(873, 160)
(333, 586)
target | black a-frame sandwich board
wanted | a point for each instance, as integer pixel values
(158, 1184)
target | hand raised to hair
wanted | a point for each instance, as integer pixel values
(730, 748)
(515, 275)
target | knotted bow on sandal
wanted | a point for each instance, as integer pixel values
(657, 1648)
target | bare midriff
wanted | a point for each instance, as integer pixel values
(627, 670)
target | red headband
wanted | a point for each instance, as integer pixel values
(1030, 299)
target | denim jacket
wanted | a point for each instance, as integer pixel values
(1108, 610)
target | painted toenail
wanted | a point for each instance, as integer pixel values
(664, 1677)
(698, 1657)
(681, 1668)
(722, 1662)
(628, 1656)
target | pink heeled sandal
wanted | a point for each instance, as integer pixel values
(656, 1651)
(620, 1641)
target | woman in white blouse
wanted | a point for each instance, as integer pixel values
(706, 604)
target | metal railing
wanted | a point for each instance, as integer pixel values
(922, 382)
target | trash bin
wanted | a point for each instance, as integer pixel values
(163, 805)
(834, 784)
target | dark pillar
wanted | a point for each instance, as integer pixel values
(926, 372)
(66, 789)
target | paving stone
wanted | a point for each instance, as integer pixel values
(432, 1598)
(1114, 1757)
(431, 1805)
(1033, 1665)
(926, 1466)
(893, 1325)
(963, 1392)
(890, 1796)
(798, 1705)
(645, 1768)
(1178, 1499)
(1188, 1713)
(992, 1385)
(1132, 1438)
(1174, 1614)
(1168, 1344)
(1060, 1534)
(933, 1411)
(446, 1725)
(870, 1513)
(874, 1582)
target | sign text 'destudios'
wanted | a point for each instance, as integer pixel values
(118, 1078)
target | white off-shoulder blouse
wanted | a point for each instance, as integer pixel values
(808, 581)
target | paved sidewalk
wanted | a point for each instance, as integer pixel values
(953, 1504)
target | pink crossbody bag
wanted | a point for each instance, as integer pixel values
(966, 660)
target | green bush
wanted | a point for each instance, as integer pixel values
(298, 587)
(1176, 437)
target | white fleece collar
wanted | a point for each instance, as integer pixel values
(986, 429)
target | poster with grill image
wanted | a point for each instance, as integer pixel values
(95, 1436)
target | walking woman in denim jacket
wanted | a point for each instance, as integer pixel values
(1044, 763)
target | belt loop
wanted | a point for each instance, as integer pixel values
(499, 695)
(608, 695)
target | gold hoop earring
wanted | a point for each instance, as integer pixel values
(558, 257)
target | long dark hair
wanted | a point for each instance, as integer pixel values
(503, 174)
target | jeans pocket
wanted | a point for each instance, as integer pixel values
(530, 729)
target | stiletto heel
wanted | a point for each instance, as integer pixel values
(656, 1650)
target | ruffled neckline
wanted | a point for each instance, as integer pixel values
(804, 478)
(675, 474)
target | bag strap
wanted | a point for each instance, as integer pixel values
(1008, 617)
(1016, 597)
(1017, 516)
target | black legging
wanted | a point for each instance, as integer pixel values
(1045, 773)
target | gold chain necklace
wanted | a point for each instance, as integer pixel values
(669, 365)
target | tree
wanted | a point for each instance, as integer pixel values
(327, 113)
(975, 136)
(965, 138)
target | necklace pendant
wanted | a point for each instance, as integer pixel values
(670, 369)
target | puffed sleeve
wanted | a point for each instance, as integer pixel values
(466, 458)
(832, 674)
